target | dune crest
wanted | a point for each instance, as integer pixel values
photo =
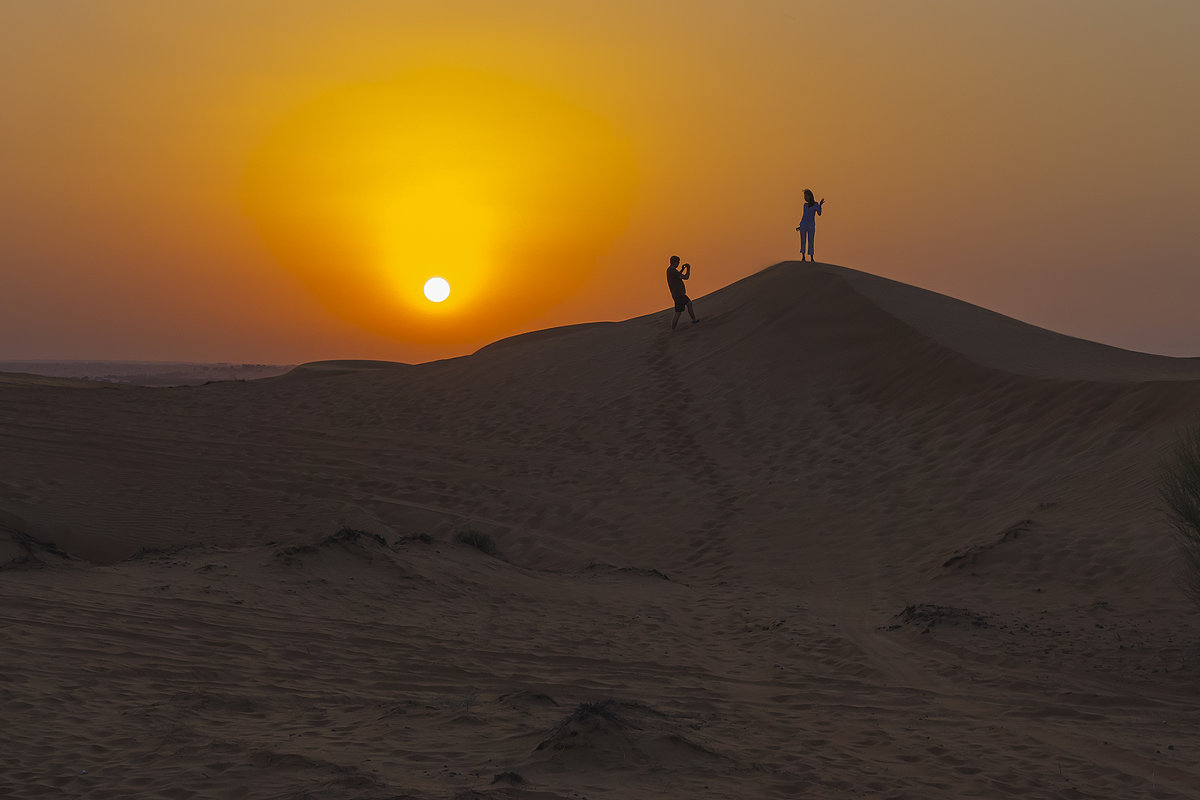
(995, 340)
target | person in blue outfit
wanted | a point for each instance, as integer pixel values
(808, 223)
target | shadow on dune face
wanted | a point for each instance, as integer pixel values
(999, 342)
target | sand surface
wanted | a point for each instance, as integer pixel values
(845, 538)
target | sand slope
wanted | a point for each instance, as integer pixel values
(845, 538)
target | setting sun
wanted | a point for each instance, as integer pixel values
(499, 182)
(437, 289)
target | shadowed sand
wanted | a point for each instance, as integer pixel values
(848, 538)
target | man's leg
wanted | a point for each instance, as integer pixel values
(691, 313)
(675, 321)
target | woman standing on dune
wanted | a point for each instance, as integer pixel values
(808, 223)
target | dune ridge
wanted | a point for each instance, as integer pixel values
(844, 538)
(1008, 344)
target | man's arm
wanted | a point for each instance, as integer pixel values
(687, 271)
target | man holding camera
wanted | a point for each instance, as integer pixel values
(676, 275)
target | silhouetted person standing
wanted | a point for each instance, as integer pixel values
(676, 275)
(808, 223)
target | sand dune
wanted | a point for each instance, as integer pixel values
(846, 538)
(1007, 344)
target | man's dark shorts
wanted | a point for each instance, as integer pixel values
(681, 302)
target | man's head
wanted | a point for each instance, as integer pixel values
(674, 261)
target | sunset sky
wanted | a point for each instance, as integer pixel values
(252, 180)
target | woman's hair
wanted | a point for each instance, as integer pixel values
(808, 197)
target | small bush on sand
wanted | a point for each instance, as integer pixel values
(602, 713)
(1179, 486)
(480, 541)
(514, 778)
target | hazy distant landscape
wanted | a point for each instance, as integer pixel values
(147, 373)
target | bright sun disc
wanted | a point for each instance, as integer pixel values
(437, 289)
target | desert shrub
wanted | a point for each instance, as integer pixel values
(604, 711)
(479, 540)
(509, 777)
(1179, 487)
(352, 535)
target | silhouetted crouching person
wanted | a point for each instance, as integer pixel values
(676, 275)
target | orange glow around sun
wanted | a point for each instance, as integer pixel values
(506, 191)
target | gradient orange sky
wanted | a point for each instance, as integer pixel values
(273, 181)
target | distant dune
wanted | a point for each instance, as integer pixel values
(145, 373)
(844, 538)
